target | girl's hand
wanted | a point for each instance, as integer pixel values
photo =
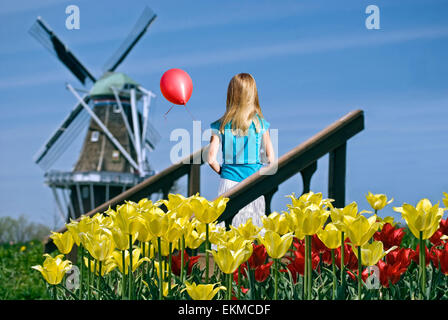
(212, 152)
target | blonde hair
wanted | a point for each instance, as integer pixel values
(242, 105)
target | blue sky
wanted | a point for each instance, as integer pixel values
(313, 61)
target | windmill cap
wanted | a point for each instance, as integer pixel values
(118, 80)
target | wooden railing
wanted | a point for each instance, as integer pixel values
(303, 159)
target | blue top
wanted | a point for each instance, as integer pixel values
(241, 154)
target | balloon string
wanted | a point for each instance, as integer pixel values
(168, 111)
(191, 115)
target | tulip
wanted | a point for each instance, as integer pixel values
(63, 241)
(423, 221)
(378, 201)
(100, 245)
(188, 261)
(276, 247)
(307, 199)
(330, 236)
(117, 261)
(258, 257)
(262, 272)
(276, 222)
(389, 236)
(371, 253)
(53, 269)
(248, 230)
(360, 229)
(109, 265)
(202, 291)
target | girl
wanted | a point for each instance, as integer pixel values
(242, 131)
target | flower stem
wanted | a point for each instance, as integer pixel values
(359, 273)
(229, 286)
(123, 284)
(89, 276)
(130, 267)
(182, 259)
(305, 272)
(310, 268)
(98, 284)
(422, 260)
(207, 243)
(82, 273)
(342, 259)
(334, 273)
(159, 254)
(170, 247)
(276, 279)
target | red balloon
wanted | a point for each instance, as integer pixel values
(176, 86)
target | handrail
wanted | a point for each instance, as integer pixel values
(303, 159)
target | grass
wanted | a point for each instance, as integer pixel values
(17, 280)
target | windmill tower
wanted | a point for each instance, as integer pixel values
(114, 155)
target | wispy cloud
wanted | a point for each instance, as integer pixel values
(266, 51)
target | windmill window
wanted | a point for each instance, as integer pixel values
(85, 192)
(116, 109)
(115, 155)
(95, 136)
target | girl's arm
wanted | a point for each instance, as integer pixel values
(212, 152)
(268, 147)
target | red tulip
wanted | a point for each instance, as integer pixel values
(263, 272)
(354, 275)
(389, 236)
(403, 256)
(391, 273)
(176, 262)
(297, 264)
(258, 256)
(443, 260)
(350, 259)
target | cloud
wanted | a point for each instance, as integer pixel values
(266, 51)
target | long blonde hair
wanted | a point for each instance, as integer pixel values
(242, 105)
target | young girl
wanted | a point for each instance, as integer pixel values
(242, 131)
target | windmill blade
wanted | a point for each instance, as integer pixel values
(42, 33)
(146, 18)
(152, 136)
(60, 141)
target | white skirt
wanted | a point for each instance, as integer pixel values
(254, 210)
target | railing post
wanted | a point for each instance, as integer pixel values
(336, 175)
(267, 201)
(307, 174)
(194, 179)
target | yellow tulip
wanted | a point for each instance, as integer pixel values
(173, 231)
(275, 245)
(248, 230)
(202, 291)
(126, 218)
(117, 260)
(330, 236)
(338, 214)
(208, 211)
(385, 220)
(445, 200)
(100, 245)
(53, 269)
(424, 218)
(307, 199)
(63, 241)
(73, 228)
(156, 222)
(378, 201)
(192, 238)
(228, 260)
(307, 221)
(276, 222)
(371, 253)
(179, 205)
(121, 239)
(360, 229)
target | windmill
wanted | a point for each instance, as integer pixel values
(114, 155)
